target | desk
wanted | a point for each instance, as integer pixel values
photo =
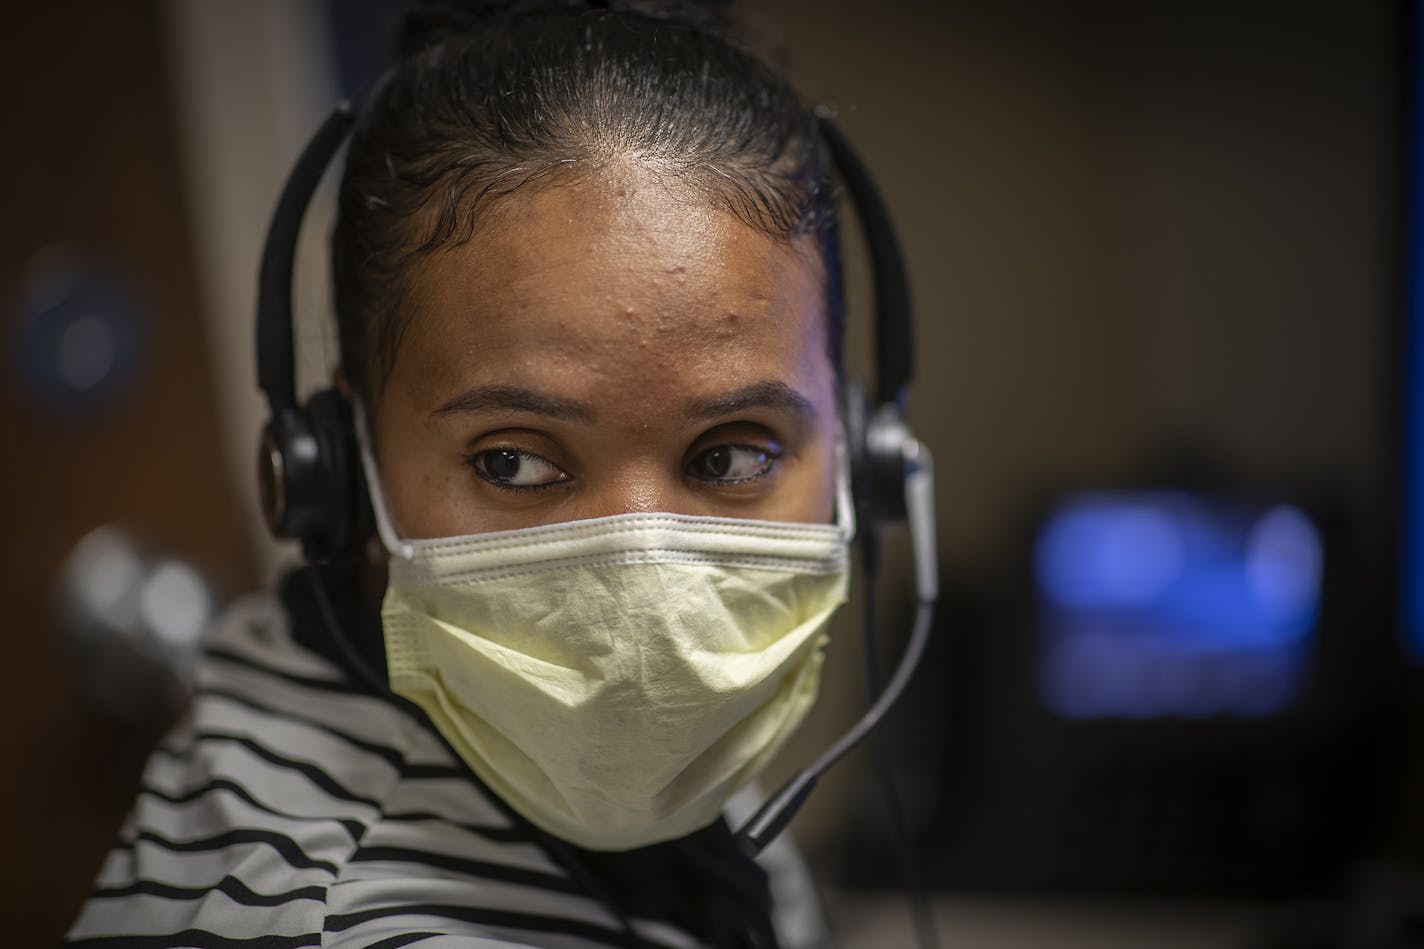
(882, 921)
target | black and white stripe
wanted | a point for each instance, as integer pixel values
(291, 808)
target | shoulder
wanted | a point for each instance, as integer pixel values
(257, 798)
(291, 807)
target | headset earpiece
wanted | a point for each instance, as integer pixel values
(306, 471)
(884, 455)
(888, 443)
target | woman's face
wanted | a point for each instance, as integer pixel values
(605, 345)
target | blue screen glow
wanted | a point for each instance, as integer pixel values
(1412, 572)
(1164, 603)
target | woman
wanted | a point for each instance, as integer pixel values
(589, 316)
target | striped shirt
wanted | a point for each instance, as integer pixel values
(291, 807)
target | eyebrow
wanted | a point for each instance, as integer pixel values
(490, 398)
(758, 395)
(507, 398)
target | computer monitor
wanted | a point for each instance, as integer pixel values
(1169, 603)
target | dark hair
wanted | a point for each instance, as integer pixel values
(488, 97)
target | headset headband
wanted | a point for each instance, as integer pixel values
(276, 363)
(894, 323)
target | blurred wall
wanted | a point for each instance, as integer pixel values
(108, 415)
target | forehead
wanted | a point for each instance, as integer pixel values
(617, 276)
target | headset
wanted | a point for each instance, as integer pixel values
(313, 490)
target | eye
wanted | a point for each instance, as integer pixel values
(515, 470)
(732, 464)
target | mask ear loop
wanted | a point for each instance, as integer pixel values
(845, 497)
(393, 544)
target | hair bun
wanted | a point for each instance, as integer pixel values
(429, 23)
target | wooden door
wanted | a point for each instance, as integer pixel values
(92, 189)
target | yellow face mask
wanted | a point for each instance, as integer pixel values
(614, 680)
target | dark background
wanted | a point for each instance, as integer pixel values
(1150, 243)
